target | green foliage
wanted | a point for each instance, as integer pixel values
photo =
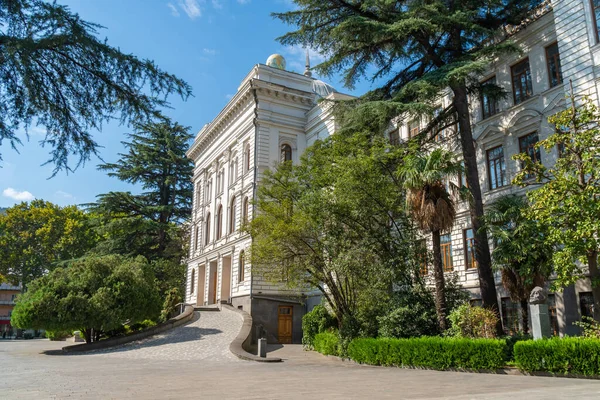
(327, 343)
(472, 322)
(145, 224)
(589, 327)
(431, 352)
(36, 236)
(94, 295)
(316, 321)
(335, 222)
(559, 356)
(57, 73)
(521, 252)
(58, 335)
(567, 201)
(169, 308)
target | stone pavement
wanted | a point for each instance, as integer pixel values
(182, 365)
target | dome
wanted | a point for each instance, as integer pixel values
(276, 61)
(322, 89)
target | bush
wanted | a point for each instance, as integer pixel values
(472, 322)
(316, 321)
(589, 327)
(431, 352)
(559, 356)
(58, 335)
(170, 309)
(327, 343)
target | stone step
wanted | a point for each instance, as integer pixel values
(207, 308)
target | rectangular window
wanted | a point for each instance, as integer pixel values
(553, 63)
(198, 193)
(440, 131)
(553, 314)
(596, 17)
(446, 247)
(496, 167)
(521, 80)
(510, 316)
(489, 105)
(527, 145)
(395, 137)
(462, 176)
(586, 304)
(469, 240)
(413, 129)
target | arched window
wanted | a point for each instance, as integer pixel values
(219, 223)
(232, 216)
(207, 230)
(241, 267)
(286, 153)
(247, 158)
(193, 281)
(245, 210)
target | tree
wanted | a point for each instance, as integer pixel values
(521, 252)
(335, 222)
(146, 223)
(94, 295)
(432, 207)
(55, 72)
(567, 200)
(420, 49)
(36, 236)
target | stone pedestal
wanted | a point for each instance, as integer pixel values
(77, 337)
(538, 314)
(262, 347)
(540, 321)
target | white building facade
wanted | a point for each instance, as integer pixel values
(273, 117)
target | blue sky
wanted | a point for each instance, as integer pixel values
(212, 44)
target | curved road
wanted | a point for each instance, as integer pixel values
(193, 361)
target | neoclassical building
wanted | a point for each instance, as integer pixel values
(273, 117)
(560, 45)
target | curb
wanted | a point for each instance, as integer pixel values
(237, 347)
(174, 322)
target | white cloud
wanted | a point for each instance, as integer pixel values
(217, 4)
(16, 195)
(242, 2)
(191, 8)
(210, 52)
(173, 9)
(38, 131)
(228, 96)
(64, 195)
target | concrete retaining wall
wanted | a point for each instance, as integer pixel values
(174, 322)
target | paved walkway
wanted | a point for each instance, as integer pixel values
(207, 338)
(192, 362)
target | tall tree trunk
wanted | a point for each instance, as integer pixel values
(592, 258)
(525, 315)
(438, 274)
(487, 284)
(87, 335)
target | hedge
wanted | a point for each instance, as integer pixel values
(559, 356)
(327, 343)
(431, 352)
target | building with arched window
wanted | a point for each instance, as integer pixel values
(272, 118)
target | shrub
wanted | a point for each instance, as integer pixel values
(472, 322)
(327, 343)
(316, 321)
(589, 327)
(559, 356)
(58, 335)
(169, 309)
(430, 352)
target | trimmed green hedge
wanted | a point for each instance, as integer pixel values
(559, 356)
(431, 352)
(327, 343)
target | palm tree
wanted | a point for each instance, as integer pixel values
(432, 207)
(521, 252)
